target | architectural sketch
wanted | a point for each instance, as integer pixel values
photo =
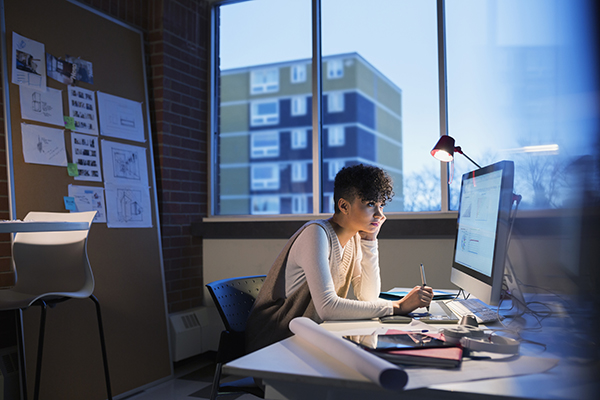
(124, 164)
(128, 206)
(42, 105)
(120, 118)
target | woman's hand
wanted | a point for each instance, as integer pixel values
(419, 296)
(372, 235)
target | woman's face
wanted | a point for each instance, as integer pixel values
(366, 215)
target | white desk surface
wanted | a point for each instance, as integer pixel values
(295, 369)
(41, 226)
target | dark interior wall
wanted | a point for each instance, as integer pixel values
(177, 37)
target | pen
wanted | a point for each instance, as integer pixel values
(423, 280)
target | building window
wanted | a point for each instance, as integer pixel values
(335, 102)
(299, 139)
(264, 177)
(334, 167)
(262, 205)
(336, 136)
(299, 105)
(264, 81)
(335, 69)
(299, 172)
(299, 204)
(298, 73)
(264, 144)
(264, 113)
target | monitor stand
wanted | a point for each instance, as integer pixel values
(514, 291)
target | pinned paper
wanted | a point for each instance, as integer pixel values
(70, 203)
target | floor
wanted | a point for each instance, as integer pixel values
(192, 380)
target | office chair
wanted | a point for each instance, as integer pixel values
(51, 267)
(234, 298)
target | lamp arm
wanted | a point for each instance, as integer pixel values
(459, 150)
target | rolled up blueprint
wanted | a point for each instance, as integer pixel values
(384, 373)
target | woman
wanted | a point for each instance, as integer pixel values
(313, 273)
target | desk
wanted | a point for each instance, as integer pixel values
(40, 226)
(295, 369)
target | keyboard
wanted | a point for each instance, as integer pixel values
(483, 314)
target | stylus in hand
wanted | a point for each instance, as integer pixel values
(423, 280)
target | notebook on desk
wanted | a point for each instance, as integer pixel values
(439, 313)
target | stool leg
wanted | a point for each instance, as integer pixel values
(21, 344)
(103, 345)
(38, 370)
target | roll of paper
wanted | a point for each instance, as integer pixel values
(382, 372)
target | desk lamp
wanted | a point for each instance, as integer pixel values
(444, 150)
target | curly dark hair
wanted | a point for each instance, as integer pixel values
(367, 182)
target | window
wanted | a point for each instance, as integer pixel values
(335, 102)
(298, 105)
(265, 176)
(299, 204)
(299, 139)
(264, 144)
(298, 73)
(531, 67)
(264, 113)
(335, 69)
(299, 172)
(336, 136)
(264, 81)
(263, 205)
(334, 168)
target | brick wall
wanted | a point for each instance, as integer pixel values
(177, 37)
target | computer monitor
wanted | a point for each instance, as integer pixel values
(482, 231)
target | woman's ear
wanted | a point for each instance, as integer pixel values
(343, 205)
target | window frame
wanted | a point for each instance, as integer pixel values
(298, 106)
(317, 115)
(298, 73)
(272, 183)
(263, 119)
(265, 86)
(267, 151)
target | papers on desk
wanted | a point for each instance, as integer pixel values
(385, 374)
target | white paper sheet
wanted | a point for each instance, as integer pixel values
(382, 372)
(89, 198)
(120, 118)
(43, 145)
(82, 107)
(86, 154)
(42, 105)
(128, 206)
(124, 164)
(28, 62)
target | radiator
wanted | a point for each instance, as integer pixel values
(194, 332)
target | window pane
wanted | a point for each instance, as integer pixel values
(381, 71)
(520, 88)
(265, 50)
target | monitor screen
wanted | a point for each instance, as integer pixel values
(482, 230)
